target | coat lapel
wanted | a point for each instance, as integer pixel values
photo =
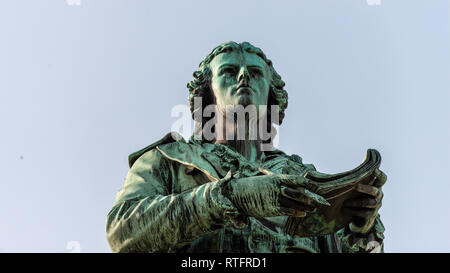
(189, 155)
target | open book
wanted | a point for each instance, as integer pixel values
(335, 188)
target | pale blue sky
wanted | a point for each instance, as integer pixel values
(81, 87)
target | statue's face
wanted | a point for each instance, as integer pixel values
(239, 78)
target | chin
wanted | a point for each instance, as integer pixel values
(244, 100)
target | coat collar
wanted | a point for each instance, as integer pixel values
(214, 160)
(190, 155)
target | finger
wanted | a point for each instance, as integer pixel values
(359, 222)
(380, 178)
(363, 213)
(371, 203)
(292, 212)
(304, 196)
(291, 193)
(293, 180)
(380, 196)
(296, 181)
(309, 197)
(369, 190)
(375, 192)
(290, 203)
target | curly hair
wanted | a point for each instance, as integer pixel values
(200, 85)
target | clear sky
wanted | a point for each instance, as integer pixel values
(82, 86)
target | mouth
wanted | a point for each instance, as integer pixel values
(244, 90)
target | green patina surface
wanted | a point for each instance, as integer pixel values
(173, 201)
(202, 196)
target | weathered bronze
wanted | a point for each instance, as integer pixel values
(336, 189)
(222, 191)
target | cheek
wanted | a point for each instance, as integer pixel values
(264, 90)
(215, 87)
(219, 85)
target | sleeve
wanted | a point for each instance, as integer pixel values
(148, 217)
(372, 242)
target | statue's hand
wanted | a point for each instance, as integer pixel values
(365, 209)
(273, 195)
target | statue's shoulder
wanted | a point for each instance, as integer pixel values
(174, 149)
(168, 138)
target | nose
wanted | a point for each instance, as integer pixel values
(244, 76)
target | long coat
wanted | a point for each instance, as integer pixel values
(171, 201)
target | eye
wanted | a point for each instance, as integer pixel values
(256, 73)
(228, 72)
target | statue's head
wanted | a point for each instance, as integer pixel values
(238, 74)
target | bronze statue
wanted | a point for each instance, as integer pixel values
(227, 189)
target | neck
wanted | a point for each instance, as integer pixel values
(250, 149)
(227, 134)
